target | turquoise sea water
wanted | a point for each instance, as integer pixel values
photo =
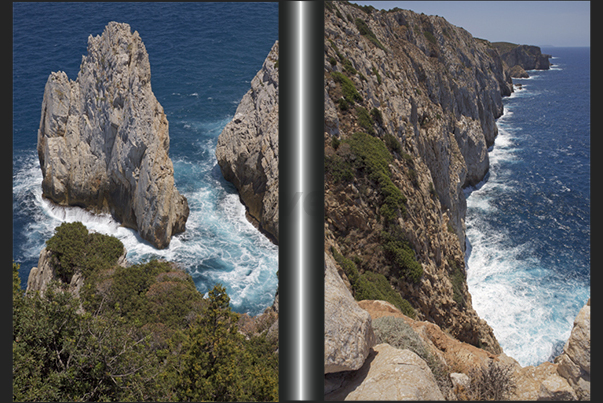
(528, 223)
(203, 57)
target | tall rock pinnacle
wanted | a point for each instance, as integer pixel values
(103, 140)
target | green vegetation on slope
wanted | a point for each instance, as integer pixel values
(372, 286)
(146, 334)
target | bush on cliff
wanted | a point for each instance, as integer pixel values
(372, 286)
(364, 30)
(399, 252)
(350, 94)
(74, 248)
(142, 328)
(397, 333)
(374, 158)
(492, 381)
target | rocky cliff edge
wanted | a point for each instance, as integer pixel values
(247, 149)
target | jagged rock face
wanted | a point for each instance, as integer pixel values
(103, 140)
(438, 91)
(247, 149)
(348, 331)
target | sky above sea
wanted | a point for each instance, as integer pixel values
(540, 23)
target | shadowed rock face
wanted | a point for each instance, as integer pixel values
(247, 149)
(103, 140)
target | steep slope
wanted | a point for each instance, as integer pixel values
(410, 108)
(247, 149)
(103, 140)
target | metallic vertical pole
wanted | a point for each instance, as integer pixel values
(301, 199)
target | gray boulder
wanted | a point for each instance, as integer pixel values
(348, 328)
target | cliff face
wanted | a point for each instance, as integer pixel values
(247, 149)
(522, 57)
(430, 93)
(103, 140)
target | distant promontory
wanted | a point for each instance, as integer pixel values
(520, 58)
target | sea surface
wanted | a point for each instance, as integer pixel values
(203, 57)
(528, 223)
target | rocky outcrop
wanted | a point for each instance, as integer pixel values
(520, 58)
(527, 56)
(389, 374)
(518, 72)
(574, 362)
(40, 277)
(247, 149)
(458, 356)
(348, 331)
(103, 140)
(568, 378)
(431, 93)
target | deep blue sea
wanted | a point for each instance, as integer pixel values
(203, 57)
(528, 223)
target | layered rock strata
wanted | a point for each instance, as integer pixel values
(436, 91)
(247, 149)
(103, 140)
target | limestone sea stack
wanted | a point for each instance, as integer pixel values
(103, 140)
(247, 149)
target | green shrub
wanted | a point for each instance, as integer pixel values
(458, 279)
(376, 72)
(68, 245)
(372, 286)
(340, 169)
(377, 116)
(399, 252)
(333, 61)
(348, 68)
(430, 37)
(392, 143)
(375, 286)
(335, 142)
(348, 266)
(74, 249)
(364, 30)
(375, 159)
(365, 120)
(343, 104)
(348, 88)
